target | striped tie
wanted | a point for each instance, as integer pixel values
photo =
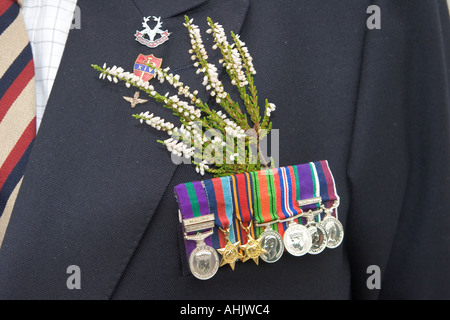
(17, 106)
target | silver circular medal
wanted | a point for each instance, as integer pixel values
(297, 239)
(204, 262)
(319, 237)
(272, 242)
(334, 230)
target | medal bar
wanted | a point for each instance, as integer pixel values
(260, 214)
(310, 201)
(198, 223)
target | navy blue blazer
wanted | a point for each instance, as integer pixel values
(98, 189)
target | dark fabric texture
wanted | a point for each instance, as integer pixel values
(98, 190)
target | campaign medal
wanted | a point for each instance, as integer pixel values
(297, 239)
(334, 230)
(220, 202)
(333, 227)
(272, 243)
(317, 231)
(152, 37)
(243, 206)
(253, 248)
(197, 224)
(265, 215)
(204, 260)
(248, 216)
(318, 237)
(230, 253)
(141, 66)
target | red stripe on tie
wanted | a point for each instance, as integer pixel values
(4, 5)
(17, 152)
(16, 88)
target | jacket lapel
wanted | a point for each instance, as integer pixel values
(96, 175)
(166, 9)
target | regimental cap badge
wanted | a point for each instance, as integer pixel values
(152, 37)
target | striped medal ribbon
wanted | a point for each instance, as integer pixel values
(285, 190)
(276, 207)
(220, 200)
(330, 202)
(265, 217)
(243, 202)
(311, 200)
(297, 238)
(291, 208)
(198, 224)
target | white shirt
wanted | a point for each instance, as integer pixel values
(48, 23)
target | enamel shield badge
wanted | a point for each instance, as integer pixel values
(141, 68)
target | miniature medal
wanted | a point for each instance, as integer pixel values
(332, 226)
(252, 248)
(318, 237)
(230, 254)
(272, 243)
(156, 36)
(297, 239)
(334, 230)
(204, 260)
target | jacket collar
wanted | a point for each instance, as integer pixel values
(167, 9)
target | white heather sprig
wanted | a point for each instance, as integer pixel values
(234, 130)
(183, 108)
(236, 58)
(211, 77)
(156, 122)
(244, 53)
(189, 140)
(114, 74)
(201, 167)
(270, 108)
(198, 53)
(179, 148)
(231, 57)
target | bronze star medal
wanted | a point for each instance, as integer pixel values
(230, 254)
(253, 248)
